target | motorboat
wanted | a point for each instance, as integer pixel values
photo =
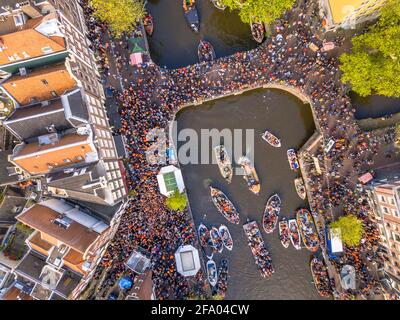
(224, 162)
(250, 175)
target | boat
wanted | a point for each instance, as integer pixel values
(300, 188)
(320, 275)
(226, 237)
(224, 162)
(294, 233)
(284, 234)
(250, 175)
(293, 162)
(148, 24)
(205, 51)
(222, 283)
(218, 4)
(204, 235)
(224, 205)
(260, 253)
(191, 14)
(216, 240)
(307, 229)
(212, 274)
(257, 31)
(271, 213)
(271, 139)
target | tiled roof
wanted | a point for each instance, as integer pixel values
(41, 84)
(28, 44)
(42, 218)
(35, 158)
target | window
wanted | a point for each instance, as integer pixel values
(392, 200)
(67, 160)
(53, 93)
(385, 210)
(383, 199)
(396, 237)
(19, 19)
(47, 50)
(395, 213)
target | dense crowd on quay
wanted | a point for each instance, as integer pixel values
(150, 101)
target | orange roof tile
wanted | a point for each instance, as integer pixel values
(27, 44)
(40, 84)
(42, 218)
(16, 294)
(36, 158)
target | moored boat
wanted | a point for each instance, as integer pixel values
(224, 162)
(294, 234)
(218, 4)
(148, 24)
(271, 139)
(307, 229)
(224, 205)
(321, 277)
(205, 51)
(271, 213)
(250, 175)
(222, 284)
(191, 14)
(216, 240)
(300, 187)
(212, 274)
(284, 235)
(293, 161)
(226, 237)
(258, 249)
(204, 235)
(257, 31)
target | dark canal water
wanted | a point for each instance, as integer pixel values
(173, 44)
(292, 120)
(374, 106)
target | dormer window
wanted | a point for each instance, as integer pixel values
(19, 19)
(47, 50)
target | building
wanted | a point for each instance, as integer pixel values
(64, 249)
(385, 203)
(347, 13)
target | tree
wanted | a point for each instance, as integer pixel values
(373, 67)
(177, 201)
(259, 10)
(351, 229)
(120, 15)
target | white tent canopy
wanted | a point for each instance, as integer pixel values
(170, 179)
(348, 277)
(187, 260)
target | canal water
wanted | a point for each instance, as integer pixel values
(173, 44)
(292, 121)
(374, 106)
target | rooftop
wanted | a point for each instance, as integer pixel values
(40, 85)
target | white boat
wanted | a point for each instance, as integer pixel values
(250, 175)
(308, 229)
(300, 187)
(293, 161)
(216, 240)
(294, 234)
(204, 235)
(271, 139)
(226, 237)
(218, 4)
(224, 162)
(224, 205)
(284, 233)
(271, 213)
(212, 274)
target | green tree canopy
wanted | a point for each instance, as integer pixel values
(351, 229)
(373, 67)
(177, 201)
(259, 10)
(120, 15)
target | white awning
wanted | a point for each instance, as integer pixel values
(187, 260)
(170, 179)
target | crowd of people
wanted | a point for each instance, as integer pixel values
(150, 100)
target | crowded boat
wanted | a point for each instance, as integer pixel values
(212, 274)
(258, 249)
(226, 237)
(321, 277)
(271, 139)
(222, 283)
(284, 234)
(307, 229)
(300, 187)
(271, 213)
(224, 162)
(295, 237)
(293, 161)
(148, 24)
(216, 240)
(250, 175)
(218, 4)
(191, 14)
(204, 235)
(224, 205)
(257, 31)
